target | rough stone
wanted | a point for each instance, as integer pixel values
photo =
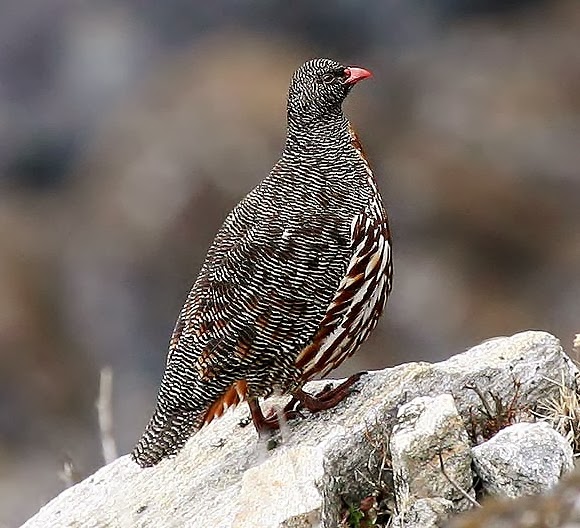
(430, 430)
(289, 483)
(320, 458)
(523, 459)
(425, 513)
(558, 508)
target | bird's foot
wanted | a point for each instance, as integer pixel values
(327, 397)
(267, 424)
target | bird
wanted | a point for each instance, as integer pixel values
(293, 283)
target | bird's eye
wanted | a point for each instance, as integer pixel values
(328, 78)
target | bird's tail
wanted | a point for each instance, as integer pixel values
(165, 435)
(168, 430)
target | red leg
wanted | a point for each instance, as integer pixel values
(328, 397)
(325, 399)
(266, 424)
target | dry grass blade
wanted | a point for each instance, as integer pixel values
(563, 413)
(455, 484)
(105, 414)
(495, 414)
(68, 474)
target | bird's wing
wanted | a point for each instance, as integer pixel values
(359, 299)
(261, 294)
(263, 290)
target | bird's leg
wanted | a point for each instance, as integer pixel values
(328, 397)
(271, 422)
(325, 399)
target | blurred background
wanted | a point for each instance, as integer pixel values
(129, 128)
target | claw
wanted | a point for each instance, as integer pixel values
(265, 425)
(329, 396)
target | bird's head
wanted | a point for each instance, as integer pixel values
(319, 87)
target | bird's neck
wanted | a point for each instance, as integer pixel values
(313, 135)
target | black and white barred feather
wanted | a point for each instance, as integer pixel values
(294, 281)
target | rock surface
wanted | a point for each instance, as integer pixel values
(425, 513)
(428, 428)
(225, 477)
(559, 508)
(523, 459)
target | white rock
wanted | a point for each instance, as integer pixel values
(289, 482)
(427, 428)
(222, 476)
(523, 459)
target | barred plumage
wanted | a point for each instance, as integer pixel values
(294, 281)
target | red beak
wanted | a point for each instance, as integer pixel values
(356, 74)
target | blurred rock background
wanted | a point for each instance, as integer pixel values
(128, 129)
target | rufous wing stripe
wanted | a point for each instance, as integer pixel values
(236, 393)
